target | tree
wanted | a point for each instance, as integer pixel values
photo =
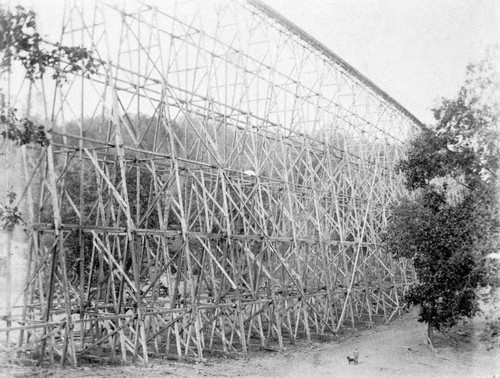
(21, 45)
(450, 222)
(21, 42)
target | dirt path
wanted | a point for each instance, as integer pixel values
(394, 350)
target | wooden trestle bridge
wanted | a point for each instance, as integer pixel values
(221, 184)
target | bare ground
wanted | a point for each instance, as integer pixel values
(398, 349)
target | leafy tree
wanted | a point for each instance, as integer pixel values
(21, 42)
(450, 224)
(20, 131)
(9, 213)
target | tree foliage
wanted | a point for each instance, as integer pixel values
(21, 131)
(9, 213)
(463, 144)
(449, 225)
(21, 41)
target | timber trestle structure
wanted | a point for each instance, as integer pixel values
(220, 184)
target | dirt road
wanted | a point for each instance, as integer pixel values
(394, 350)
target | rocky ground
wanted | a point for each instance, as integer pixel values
(397, 349)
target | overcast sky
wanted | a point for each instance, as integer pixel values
(415, 50)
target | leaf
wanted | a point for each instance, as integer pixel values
(12, 196)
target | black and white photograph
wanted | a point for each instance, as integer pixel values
(249, 188)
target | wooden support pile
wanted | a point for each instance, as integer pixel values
(220, 185)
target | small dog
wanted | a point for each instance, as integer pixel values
(355, 358)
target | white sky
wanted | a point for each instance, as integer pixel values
(415, 50)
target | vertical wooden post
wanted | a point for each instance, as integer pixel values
(8, 288)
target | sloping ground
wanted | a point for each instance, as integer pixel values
(394, 350)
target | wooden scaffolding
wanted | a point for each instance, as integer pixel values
(221, 184)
